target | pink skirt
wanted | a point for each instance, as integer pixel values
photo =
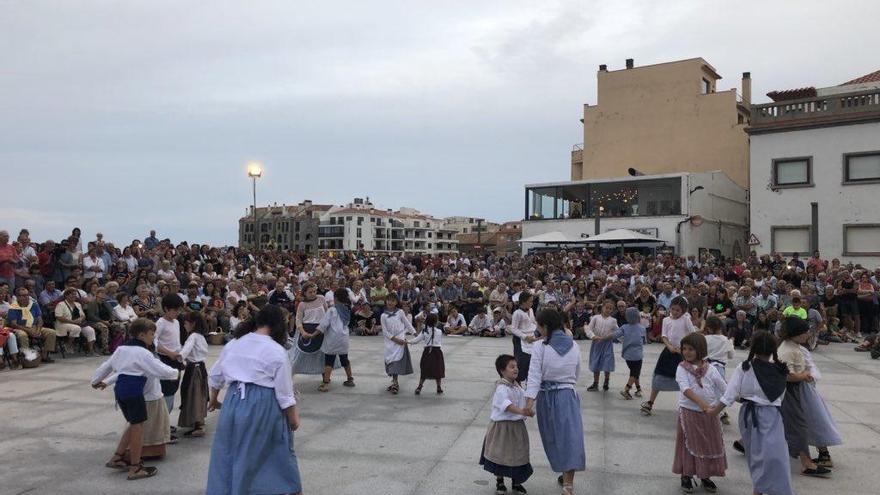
(699, 446)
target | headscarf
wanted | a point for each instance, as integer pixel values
(560, 342)
(344, 313)
(697, 371)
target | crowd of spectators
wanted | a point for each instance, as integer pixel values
(79, 296)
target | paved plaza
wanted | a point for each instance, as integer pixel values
(58, 432)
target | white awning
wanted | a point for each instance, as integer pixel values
(622, 235)
(554, 237)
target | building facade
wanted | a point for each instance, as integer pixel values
(284, 227)
(693, 213)
(815, 172)
(664, 118)
(361, 226)
(470, 225)
(502, 241)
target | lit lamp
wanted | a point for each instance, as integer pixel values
(254, 171)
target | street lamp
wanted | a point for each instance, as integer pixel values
(255, 170)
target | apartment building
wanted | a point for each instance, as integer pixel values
(359, 225)
(284, 227)
(815, 171)
(471, 225)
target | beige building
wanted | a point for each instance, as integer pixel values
(470, 225)
(664, 118)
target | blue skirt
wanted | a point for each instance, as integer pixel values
(562, 429)
(821, 431)
(602, 356)
(253, 446)
(763, 437)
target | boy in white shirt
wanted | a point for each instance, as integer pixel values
(134, 363)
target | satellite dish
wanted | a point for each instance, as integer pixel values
(696, 220)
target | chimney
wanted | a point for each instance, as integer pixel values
(629, 63)
(747, 88)
(603, 68)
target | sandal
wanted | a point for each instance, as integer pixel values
(142, 472)
(394, 389)
(638, 393)
(817, 472)
(646, 408)
(117, 462)
(419, 392)
(567, 489)
(324, 387)
(348, 383)
(439, 391)
(592, 388)
(197, 433)
(605, 386)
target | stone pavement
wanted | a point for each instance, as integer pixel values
(57, 432)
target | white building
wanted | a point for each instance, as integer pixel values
(690, 212)
(815, 172)
(359, 225)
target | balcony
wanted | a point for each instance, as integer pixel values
(331, 231)
(818, 111)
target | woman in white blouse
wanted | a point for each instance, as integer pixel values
(124, 312)
(253, 444)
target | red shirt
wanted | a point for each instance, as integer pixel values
(43, 258)
(8, 258)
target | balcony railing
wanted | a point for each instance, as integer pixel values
(331, 231)
(807, 112)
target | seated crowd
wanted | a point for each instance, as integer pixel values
(80, 297)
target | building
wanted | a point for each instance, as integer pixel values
(470, 225)
(691, 212)
(664, 118)
(287, 228)
(361, 226)
(815, 171)
(502, 241)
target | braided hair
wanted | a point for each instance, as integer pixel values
(763, 344)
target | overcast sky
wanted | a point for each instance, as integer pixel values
(121, 116)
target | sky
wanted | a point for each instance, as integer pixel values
(126, 116)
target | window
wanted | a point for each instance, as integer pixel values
(360, 220)
(861, 167)
(372, 219)
(787, 240)
(706, 87)
(429, 245)
(359, 233)
(470, 220)
(861, 239)
(429, 234)
(793, 172)
(464, 230)
(296, 226)
(347, 219)
(416, 223)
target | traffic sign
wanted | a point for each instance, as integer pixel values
(753, 240)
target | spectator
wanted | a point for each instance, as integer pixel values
(151, 242)
(70, 322)
(26, 320)
(8, 260)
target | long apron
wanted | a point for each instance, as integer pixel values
(253, 445)
(763, 437)
(561, 427)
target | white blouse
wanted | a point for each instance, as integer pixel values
(524, 324)
(396, 325)
(336, 340)
(195, 349)
(548, 366)
(432, 337)
(676, 329)
(255, 359)
(601, 326)
(720, 348)
(124, 314)
(711, 391)
(506, 396)
(744, 385)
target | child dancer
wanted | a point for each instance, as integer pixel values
(633, 336)
(759, 384)
(194, 387)
(134, 363)
(167, 343)
(506, 444)
(675, 327)
(720, 349)
(431, 366)
(601, 329)
(699, 446)
(552, 378)
(306, 355)
(794, 333)
(334, 327)
(394, 328)
(523, 326)
(822, 432)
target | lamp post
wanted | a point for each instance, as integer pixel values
(255, 170)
